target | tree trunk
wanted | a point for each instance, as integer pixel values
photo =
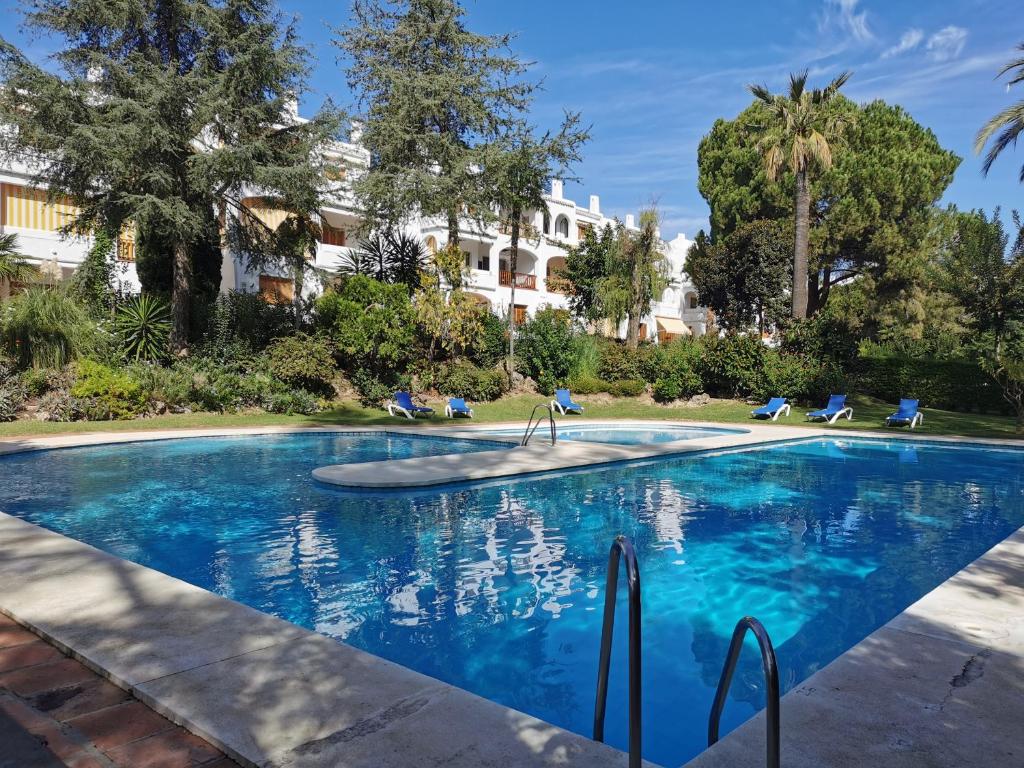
(181, 289)
(635, 302)
(513, 265)
(803, 217)
(453, 228)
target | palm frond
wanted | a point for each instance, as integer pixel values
(762, 93)
(797, 83)
(838, 82)
(1011, 122)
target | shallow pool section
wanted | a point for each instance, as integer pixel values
(499, 588)
(624, 434)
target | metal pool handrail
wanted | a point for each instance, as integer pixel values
(529, 432)
(623, 547)
(771, 676)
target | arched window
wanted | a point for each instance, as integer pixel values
(562, 226)
(547, 223)
(668, 296)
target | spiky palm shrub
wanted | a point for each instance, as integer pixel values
(144, 324)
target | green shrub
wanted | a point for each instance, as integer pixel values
(108, 394)
(490, 347)
(302, 361)
(245, 318)
(38, 381)
(545, 348)
(60, 405)
(294, 401)
(587, 385)
(45, 327)
(372, 326)
(732, 366)
(463, 379)
(372, 391)
(12, 395)
(667, 389)
(618, 362)
(677, 384)
(627, 387)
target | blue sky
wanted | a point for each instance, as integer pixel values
(651, 78)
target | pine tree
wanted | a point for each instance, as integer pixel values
(161, 114)
(435, 96)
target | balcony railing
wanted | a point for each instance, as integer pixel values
(529, 282)
(557, 284)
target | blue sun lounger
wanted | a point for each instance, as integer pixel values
(404, 405)
(457, 407)
(563, 402)
(772, 410)
(836, 407)
(907, 414)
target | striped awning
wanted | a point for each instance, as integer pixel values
(264, 211)
(673, 326)
(28, 208)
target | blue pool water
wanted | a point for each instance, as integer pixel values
(499, 588)
(626, 435)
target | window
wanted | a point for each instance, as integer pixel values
(484, 263)
(642, 335)
(581, 230)
(562, 226)
(547, 223)
(431, 245)
(520, 314)
(331, 235)
(277, 290)
(692, 302)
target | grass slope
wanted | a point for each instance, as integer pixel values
(867, 414)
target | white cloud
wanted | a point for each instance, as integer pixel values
(843, 14)
(947, 43)
(908, 42)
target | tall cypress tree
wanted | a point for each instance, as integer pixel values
(435, 95)
(162, 115)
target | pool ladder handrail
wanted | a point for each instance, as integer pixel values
(622, 548)
(529, 432)
(771, 676)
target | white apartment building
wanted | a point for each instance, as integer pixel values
(25, 211)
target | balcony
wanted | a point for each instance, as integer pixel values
(523, 281)
(557, 284)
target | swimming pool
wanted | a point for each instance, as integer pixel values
(625, 434)
(499, 588)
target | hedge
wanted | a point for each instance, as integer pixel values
(956, 385)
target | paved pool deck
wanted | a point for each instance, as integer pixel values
(941, 685)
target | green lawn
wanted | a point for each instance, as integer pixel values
(868, 414)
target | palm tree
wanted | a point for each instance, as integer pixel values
(12, 264)
(1010, 121)
(799, 135)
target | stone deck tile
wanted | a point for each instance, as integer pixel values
(54, 711)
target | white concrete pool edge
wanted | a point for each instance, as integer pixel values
(263, 690)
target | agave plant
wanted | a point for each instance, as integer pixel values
(145, 326)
